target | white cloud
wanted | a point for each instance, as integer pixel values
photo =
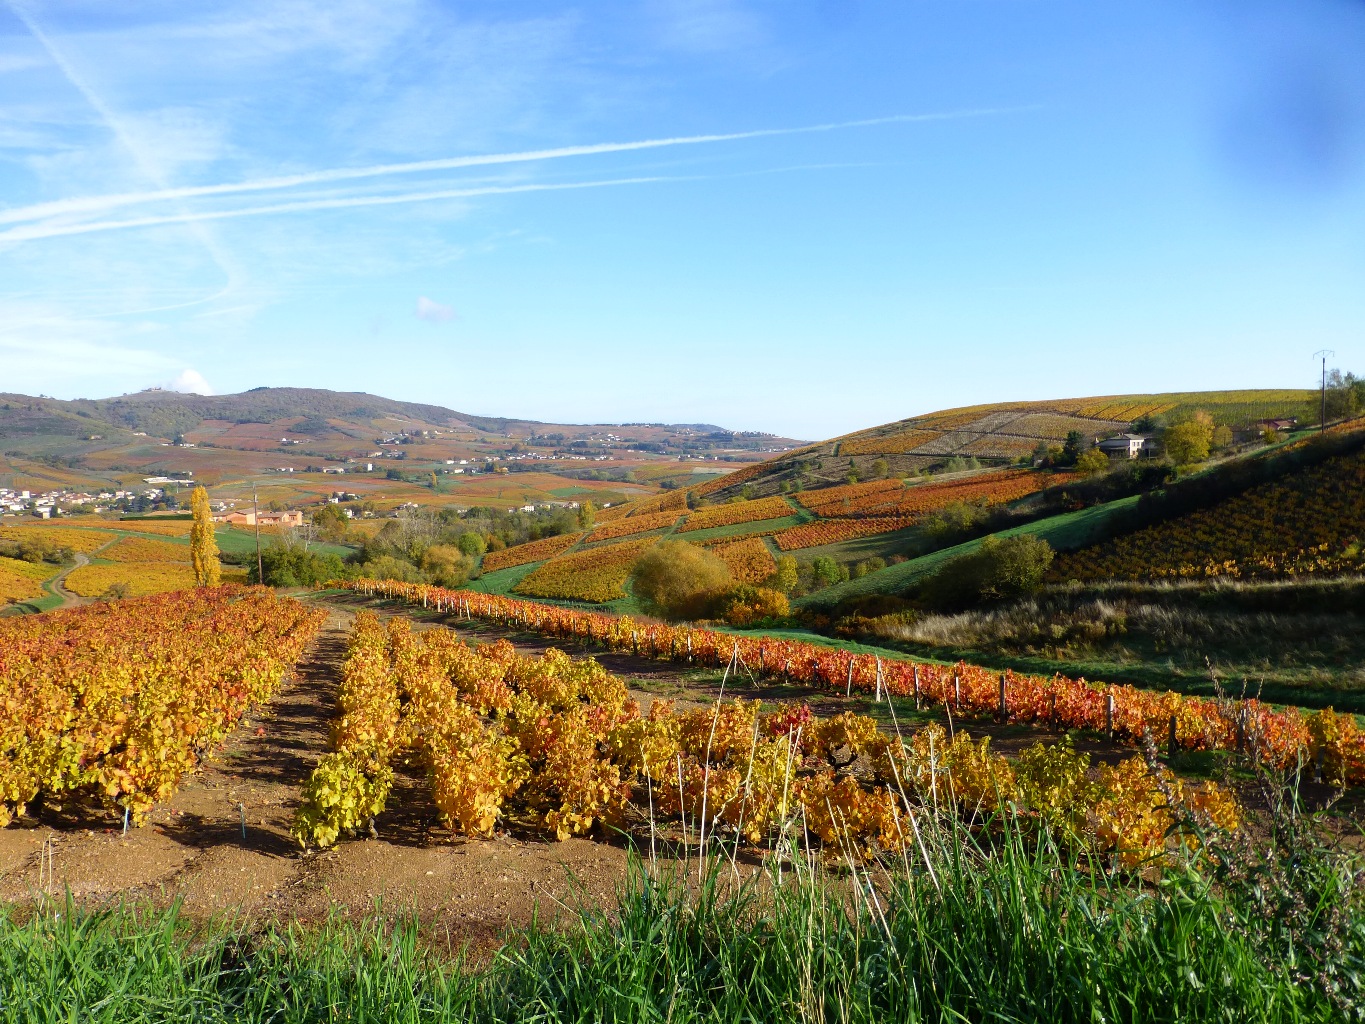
(707, 26)
(434, 312)
(190, 382)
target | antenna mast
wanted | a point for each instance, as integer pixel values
(1324, 353)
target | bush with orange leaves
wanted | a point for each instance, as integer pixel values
(1335, 744)
(849, 818)
(648, 746)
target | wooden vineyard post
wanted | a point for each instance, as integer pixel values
(957, 690)
(1170, 741)
(878, 697)
(848, 691)
(689, 648)
(1004, 714)
(916, 687)
(762, 666)
(1241, 729)
(1109, 716)
(1052, 711)
(634, 642)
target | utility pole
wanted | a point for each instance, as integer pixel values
(1324, 353)
(256, 518)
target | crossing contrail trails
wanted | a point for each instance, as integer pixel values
(115, 125)
(103, 203)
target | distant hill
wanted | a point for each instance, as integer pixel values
(309, 411)
(48, 444)
(999, 434)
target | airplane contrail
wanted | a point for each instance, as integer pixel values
(90, 204)
(115, 125)
(33, 232)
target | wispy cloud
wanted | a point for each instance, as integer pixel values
(434, 312)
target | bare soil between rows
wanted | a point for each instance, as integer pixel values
(221, 847)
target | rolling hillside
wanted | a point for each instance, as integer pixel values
(1000, 434)
(255, 436)
(830, 500)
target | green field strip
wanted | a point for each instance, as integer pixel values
(1068, 530)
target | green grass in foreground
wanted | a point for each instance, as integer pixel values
(1016, 932)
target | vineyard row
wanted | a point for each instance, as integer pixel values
(1334, 743)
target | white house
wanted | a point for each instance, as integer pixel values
(1126, 446)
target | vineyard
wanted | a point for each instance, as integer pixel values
(835, 531)
(733, 513)
(1334, 743)
(116, 702)
(635, 524)
(19, 580)
(848, 499)
(749, 560)
(560, 743)
(136, 579)
(898, 443)
(595, 575)
(522, 554)
(1312, 522)
(145, 549)
(72, 538)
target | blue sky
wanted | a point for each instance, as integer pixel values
(924, 204)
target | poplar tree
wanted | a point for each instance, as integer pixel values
(203, 545)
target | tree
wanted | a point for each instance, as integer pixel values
(678, 580)
(447, 566)
(826, 571)
(295, 567)
(472, 544)
(996, 570)
(1092, 461)
(1188, 441)
(331, 522)
(203, 545)
(880, 469)
(745, 604)
(1072, 447)
(1222, 436)
(787, 576)
(587, 515)
(1345, 395)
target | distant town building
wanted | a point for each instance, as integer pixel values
(249, 518)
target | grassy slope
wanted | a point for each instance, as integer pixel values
(1071, 529)
(243, 542)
